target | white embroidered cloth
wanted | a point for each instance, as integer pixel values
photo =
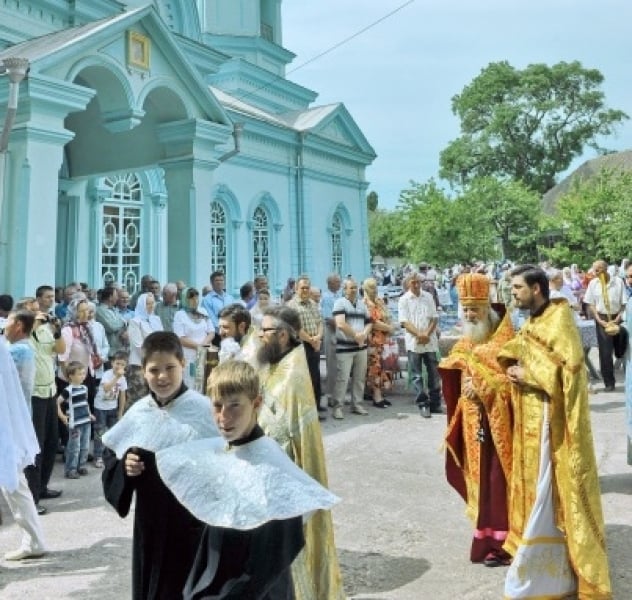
(148, 426)
(242, 487)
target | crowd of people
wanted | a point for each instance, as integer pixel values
(93, 374)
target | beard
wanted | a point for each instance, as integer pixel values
(270, 352)
(482, 329)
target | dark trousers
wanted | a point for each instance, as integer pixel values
(606, 351)
(46, 431)
(313, 364)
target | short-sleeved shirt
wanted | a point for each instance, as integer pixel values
(43, 343)
(109, 400)
(78, 411)
(309, 313)
(616, 296)
(357, 316)
(419, 311)
(23, 356)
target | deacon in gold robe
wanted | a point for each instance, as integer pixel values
(478, 439)
(289, 416)
(556, 531)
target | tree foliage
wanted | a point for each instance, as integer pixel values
(593, 220)
(527, 125)
(512, 211)
(384, 238)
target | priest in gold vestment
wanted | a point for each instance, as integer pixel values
(478, 439)
(556, 531)
(289, 416)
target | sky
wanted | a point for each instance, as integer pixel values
(397, 79)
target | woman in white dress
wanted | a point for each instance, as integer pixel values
(194, 328)
(139, 327)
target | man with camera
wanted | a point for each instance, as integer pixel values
(47, 342)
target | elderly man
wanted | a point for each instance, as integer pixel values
(353, 325)
(289, 416)
(311, 332)
(112, 321)
(418, 316)
(166, 309)
(122, 305)
(556, 534)
(478, 439)
(606, 299)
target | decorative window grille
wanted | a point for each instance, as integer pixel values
(121, 231)
(260, 242)
(218, 238)
(336, 244)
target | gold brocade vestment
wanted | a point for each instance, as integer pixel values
(289, 416)
(548, 348)
(479, 363)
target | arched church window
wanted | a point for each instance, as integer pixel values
(260, 242)
(218, 237)
(121, 231)
(335, 242)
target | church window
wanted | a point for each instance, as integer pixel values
(121, 231)
(260, 242)
(218, 237)
(335, 241)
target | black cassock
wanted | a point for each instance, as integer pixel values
(166, 535)
(246, 565)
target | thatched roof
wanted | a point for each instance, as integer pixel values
(616, 160)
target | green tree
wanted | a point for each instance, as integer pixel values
(527, 125)
(440, 230)
(372, 201)
(512, 210)
(384, 236)
(592, 220)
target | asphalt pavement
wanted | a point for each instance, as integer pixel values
(400, 529)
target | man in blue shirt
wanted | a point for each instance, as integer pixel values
(216, 300)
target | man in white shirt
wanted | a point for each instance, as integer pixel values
(606, 298)
(418, 316)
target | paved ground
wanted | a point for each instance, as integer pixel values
(400, 529)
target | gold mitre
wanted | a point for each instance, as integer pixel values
(473, 289)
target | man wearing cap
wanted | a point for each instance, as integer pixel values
(418, 316)
(478, 440)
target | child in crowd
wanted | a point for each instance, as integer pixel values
(166, 535)
(109, 402)
(254, 513)
(74, 412)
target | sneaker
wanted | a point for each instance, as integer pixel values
(438, 410)
(424, 410)
(41, 510)
(359, 410)
(72, 475)
(82, 471)
(24, 554)
(98, 463)
(337, 413)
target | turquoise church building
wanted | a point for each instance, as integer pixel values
(164, 137)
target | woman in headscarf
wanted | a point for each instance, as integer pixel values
(139, 327)
(194, 328)
(80, 344)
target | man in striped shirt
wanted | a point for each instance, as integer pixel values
(353, 326)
